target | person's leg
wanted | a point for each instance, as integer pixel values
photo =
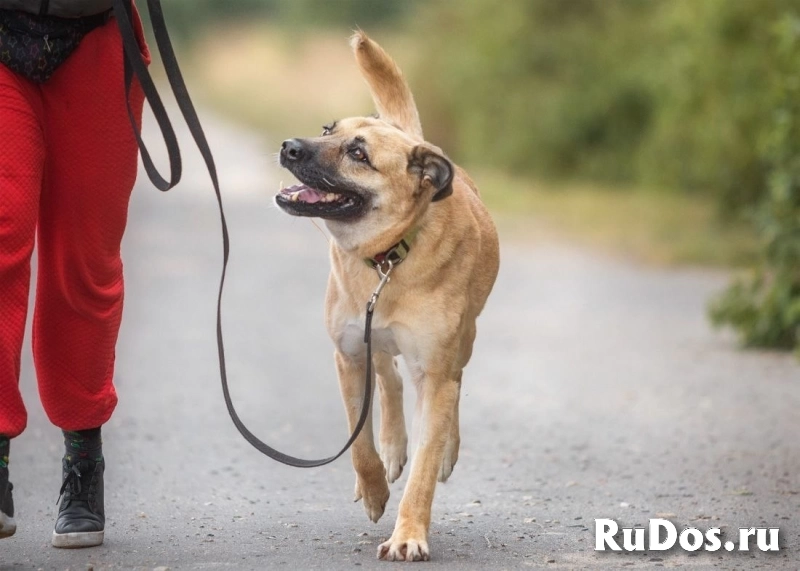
(8, 526)
(90, 172)
(22, 155)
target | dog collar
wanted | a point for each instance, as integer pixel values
(395, 254)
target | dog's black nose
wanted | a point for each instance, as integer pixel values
(292, 150)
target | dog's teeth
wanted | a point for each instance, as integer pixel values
(294, 196)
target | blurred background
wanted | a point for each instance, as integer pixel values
(663, 130)
(641, 160)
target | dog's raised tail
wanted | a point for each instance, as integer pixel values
(389, 89)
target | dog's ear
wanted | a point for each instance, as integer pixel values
(389, 89)
(433, 169)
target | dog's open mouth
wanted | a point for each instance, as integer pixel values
(302, 200)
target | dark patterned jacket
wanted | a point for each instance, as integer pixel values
(60, 8)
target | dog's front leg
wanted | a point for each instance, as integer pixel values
(409, 541)
(371, 484)
(393, 438)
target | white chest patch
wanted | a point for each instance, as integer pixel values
(352, 343)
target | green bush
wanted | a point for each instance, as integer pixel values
(536, 86)
(711, 97)
(191, 18)
(664, 94)
(765, 308)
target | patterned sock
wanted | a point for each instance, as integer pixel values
(4, 446)
(84, 444)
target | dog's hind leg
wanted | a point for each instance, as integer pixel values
(393, 437)
(371, 484)
(450, 456)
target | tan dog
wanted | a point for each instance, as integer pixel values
(376, 182)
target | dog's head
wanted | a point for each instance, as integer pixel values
(370, 178)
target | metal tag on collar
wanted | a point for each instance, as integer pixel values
(398, 252)
(395, 255)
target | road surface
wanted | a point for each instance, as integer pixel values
(597, 390)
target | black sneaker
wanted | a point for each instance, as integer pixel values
(81, 516)
(7, 524)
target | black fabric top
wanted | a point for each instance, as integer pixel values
(60, 8)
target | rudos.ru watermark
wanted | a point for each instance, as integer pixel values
(661, 535)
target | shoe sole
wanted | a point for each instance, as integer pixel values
(78, 540)
(8, 526)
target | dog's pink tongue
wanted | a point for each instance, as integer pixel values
(304, 193)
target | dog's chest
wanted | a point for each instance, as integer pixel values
(351, 341)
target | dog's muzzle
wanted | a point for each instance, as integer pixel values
(320, 194)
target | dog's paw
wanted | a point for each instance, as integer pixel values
(375, 495)
(402, 547)
(394, 455)
(449, 459)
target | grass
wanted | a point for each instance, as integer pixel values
(289, 84)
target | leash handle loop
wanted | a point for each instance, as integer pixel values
(123, 10)
(134, 65)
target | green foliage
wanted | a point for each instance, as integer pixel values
(665, 94)
(538, 87)
(766, 308)
(347, 14)
(187, 17)
(712, 99)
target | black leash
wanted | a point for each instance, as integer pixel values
(123, 12)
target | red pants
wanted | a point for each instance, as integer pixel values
(68, 162)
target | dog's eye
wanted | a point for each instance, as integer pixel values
(358, 154)
(327, 129)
